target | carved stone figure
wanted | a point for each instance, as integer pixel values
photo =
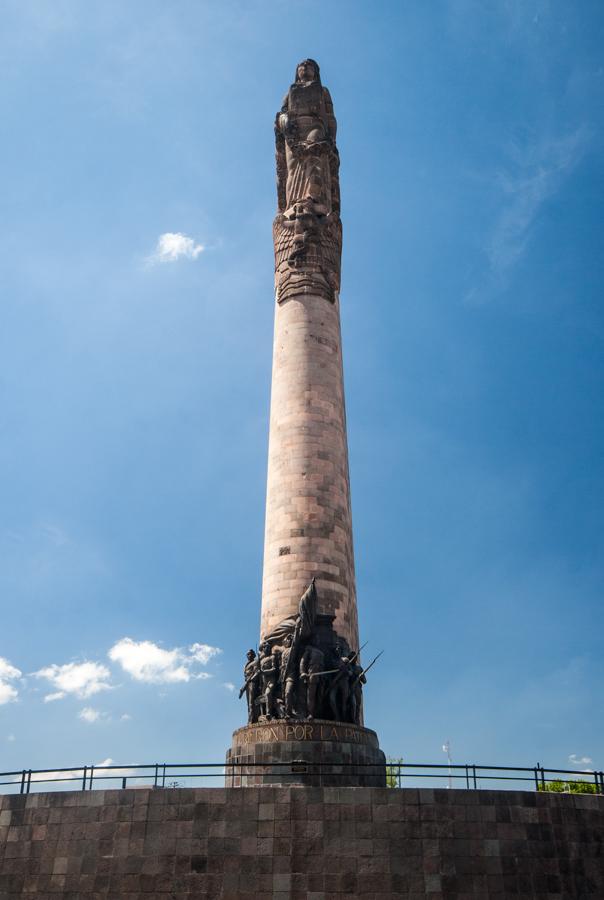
(251, 686)
(307, 231)
(312, 663)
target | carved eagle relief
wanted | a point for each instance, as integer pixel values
(307, 246)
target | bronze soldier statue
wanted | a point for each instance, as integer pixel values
(312, 663)
(288, 675)
(251, 687)
(355, 700)
(339, 689)
(269, 672)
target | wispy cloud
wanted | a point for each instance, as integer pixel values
(69, 774)
(79, 679)
(90, 714)
(535, 171)
(8, 675)
(579, 761)
(148, 662)
(229, 686)
(172, 246)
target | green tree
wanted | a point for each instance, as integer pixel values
(392, 771)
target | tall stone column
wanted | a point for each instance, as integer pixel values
(304, 689)
(308, 520)
(308, 530)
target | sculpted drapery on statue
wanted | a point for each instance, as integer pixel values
(307, 230)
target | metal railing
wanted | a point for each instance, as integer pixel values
(399, 774)
(473, 776)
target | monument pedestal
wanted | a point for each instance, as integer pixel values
(315, 753)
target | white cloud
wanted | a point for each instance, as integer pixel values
(11, 738)
(8, 673)
(203, 653)
(89, 714)
(172, 246)
(582, 761)
(229, 685)
(81, 679)
(125, 717)
(50, 698)
(534, 173)
(146, 661)
(77, 774)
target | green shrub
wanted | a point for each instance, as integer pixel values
(568, 787)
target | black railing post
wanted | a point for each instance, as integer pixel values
(85, 778)
(536, 772)
(163, 776)
(156, 773)
(22, 791)
(124, 783)
(467, 777)
(542, 778)
(474, 776)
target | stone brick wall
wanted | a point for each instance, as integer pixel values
(311, 843)
(308, 528)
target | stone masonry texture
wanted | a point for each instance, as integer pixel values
(316, 754)
(311, 843)
(308, 531)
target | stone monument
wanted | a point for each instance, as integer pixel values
(348, 835)
(304, 687)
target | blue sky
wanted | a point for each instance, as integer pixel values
(135, 370)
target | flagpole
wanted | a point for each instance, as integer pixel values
(447, 750)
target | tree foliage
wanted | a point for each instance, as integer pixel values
(569, 787)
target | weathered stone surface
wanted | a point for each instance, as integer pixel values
(317, 753)
(308, 519)
(307, 231)
(312, 843)
(308, 531)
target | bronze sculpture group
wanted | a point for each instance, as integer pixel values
(282, 684)
(300, 672)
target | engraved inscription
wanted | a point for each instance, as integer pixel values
(303, 731)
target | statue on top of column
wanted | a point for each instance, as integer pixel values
(307, 231)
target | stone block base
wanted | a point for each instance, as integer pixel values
(316, 754)
(301, 843)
